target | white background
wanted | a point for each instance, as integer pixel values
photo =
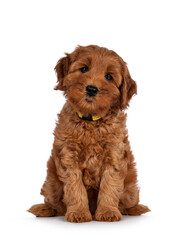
(34, 35)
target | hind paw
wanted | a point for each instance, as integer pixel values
(42, 210)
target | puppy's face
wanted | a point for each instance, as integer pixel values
(94, 80)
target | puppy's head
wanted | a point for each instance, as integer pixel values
(95, 79)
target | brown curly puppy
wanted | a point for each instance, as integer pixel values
(91, 171)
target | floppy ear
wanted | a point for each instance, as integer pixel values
(127, 89)
(61, 69)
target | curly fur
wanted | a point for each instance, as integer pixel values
(91, 172)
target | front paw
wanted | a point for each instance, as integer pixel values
(78, 216)
(108, 215)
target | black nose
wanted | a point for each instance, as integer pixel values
(91, 90)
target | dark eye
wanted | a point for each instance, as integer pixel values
(84, 69)
(108, 77)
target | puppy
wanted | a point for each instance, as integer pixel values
(91, 171)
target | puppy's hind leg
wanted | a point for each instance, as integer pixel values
(52, 191)
(129, 203)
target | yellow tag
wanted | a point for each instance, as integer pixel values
(94, 118)
(80, 115)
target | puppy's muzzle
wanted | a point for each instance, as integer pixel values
(91, 90)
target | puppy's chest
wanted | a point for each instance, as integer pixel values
(91, 157)
(91, 162)
(91, 154)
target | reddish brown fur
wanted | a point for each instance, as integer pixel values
(91, 170)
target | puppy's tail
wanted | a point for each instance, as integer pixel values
(42, 210)
(136, 210)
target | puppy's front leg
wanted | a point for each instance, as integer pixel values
(75, 194)
(111, 186)
(76, 199)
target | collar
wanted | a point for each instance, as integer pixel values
(89, 117)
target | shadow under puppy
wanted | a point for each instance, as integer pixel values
(91, 170)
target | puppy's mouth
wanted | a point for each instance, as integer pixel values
(89, 100)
